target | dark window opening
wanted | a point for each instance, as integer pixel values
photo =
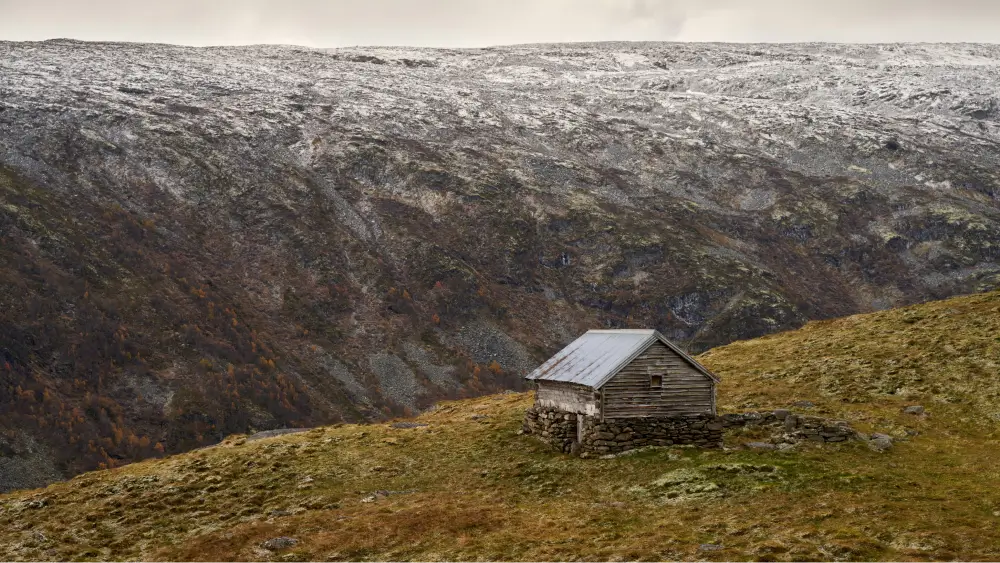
(656, 381)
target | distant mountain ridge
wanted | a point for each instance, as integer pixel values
(201, 241)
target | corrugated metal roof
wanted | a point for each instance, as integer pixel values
(596, 356)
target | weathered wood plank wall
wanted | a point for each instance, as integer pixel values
(685, 391)
(567, 397)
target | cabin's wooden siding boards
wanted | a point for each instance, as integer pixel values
(685, 390)
(567, 397)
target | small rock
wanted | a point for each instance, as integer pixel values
(273, 433)
(804, 404)
(914, 409)
(37, 503)
(710, 547)
(383, 493)
(275, 544)
(279, 513)
(760, 446)
(409, 424)
(880, 442)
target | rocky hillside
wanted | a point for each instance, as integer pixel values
(198, 242)
(375, 492)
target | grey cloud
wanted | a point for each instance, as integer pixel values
(458, 23)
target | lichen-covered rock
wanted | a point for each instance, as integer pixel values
(277, 544)
(880, 442)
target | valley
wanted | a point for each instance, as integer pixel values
(204, 242)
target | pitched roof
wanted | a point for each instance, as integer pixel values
(597, 355)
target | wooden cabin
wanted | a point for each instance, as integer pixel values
(612, 374)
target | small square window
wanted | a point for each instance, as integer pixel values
(656, 381)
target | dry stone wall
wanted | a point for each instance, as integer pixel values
(557, 428)
(568, 433)
(586, 435)
(792, 426)
(615, 435)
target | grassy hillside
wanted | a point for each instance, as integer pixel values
(464, 485)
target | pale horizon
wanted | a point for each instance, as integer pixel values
(489, 23)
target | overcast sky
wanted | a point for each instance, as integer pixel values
(476, 23)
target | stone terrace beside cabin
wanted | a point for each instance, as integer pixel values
(614, 390)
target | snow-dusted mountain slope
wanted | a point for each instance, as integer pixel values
(203, 241)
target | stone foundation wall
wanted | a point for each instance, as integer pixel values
(615, 435)
(560, 430)
(553, 426)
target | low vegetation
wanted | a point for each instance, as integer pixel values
(460, 483)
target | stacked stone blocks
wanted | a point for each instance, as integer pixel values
(577, 433)
(582, 434)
